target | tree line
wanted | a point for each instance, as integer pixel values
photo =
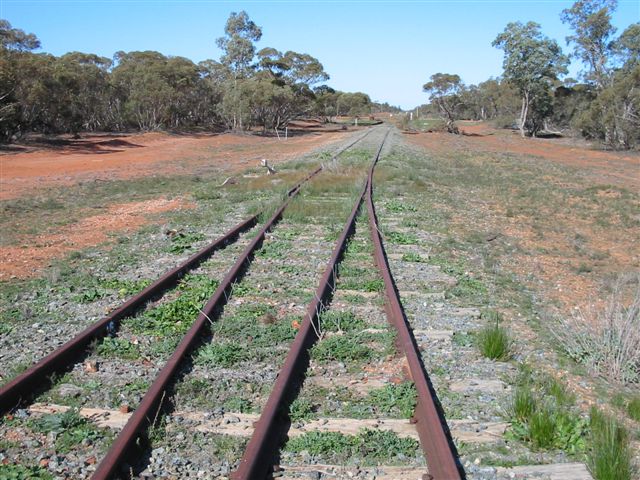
(604, 106)
(245, 88)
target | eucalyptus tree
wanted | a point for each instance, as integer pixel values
(445, 92)
(613, 116)
(532, 64)
(611, 71)
(627, 47)
(590, 21)
(15, 46)
(325, 101)
(154, 91)
(283, 86)
(238, 47)
(353, 103)
(82, 91)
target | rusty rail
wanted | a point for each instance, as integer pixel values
(434, 439)
(262, 449)
(152, 401)
(12, 393)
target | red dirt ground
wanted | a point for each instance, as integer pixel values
(128, 156)
(619, 168)
(108, 157)
(25, 260)
(551, 257)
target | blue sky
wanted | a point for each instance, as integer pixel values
(384, 48)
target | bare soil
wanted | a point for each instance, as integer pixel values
(25, 260)
(618, 168)
(106, 157)
(570, 253)
(63, 161)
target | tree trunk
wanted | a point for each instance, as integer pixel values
(452, 128)
(523, 113)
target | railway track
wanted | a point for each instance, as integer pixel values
(22, 386)
(212, 342)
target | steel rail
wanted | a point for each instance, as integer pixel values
(434, 439)
(151, 403)
(13, 392)
(263, 447)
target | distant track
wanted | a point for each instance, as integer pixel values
(262, 450)
(14, 392)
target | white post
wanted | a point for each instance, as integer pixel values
(286, 133)
(410, 115)
(356, 121)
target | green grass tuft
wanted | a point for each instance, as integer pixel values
(21, 472)
(301, 409)
(341, 348)
(633, 408)
(401, 238)
(70, 428)
(542, 428)
(494, 341)
(610, 457)
(396, 206)
(374, 445)
(222, 354)
(631, 405)
(178, 315)
(393, 398)
(182, 242)
(523, 403)
(336, 321)
(412, 257)
(95, 289)
(118, 348)
(542, 413)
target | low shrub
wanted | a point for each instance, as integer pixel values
(607, 340)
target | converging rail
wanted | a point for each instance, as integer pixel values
(36, 376)
(264, 444)
(261, 452)
(436, 443)
(152, 401)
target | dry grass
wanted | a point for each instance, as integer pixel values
(607, 339)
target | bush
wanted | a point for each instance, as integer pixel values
(607, 340)
(542, 413)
